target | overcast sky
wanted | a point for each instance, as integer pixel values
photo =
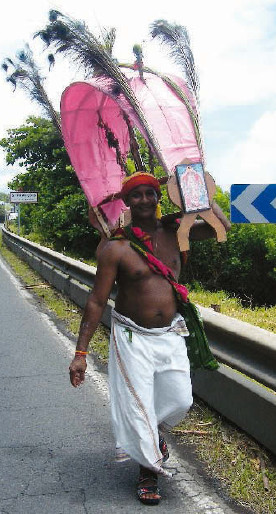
(234, 45)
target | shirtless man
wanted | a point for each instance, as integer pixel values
(148, 369)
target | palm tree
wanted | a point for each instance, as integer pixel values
(26, 74)
(74, 39)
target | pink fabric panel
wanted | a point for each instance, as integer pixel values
(182, 84)
(93, 160)
(168, 118)
(113, 210)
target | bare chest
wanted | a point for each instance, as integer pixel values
(134, 267)
(165, 248)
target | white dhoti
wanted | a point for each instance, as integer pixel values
(149, 379)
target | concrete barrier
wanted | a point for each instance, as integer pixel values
(244, 402)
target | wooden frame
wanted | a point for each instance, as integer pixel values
(192, 187)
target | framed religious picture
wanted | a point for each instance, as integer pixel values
(192, 187)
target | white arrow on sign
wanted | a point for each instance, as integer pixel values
(244, 202)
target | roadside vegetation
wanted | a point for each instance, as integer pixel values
(246, 471)
(3, 200)
(264, 317)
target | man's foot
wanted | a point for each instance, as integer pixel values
(148, 491)
(163, 448)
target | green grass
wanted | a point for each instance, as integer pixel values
(264, 317)
(226, 452)
(232, 457)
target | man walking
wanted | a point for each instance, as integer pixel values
(149, 370)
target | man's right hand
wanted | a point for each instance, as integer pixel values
(77, 370)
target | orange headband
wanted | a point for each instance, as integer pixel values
(137, 179)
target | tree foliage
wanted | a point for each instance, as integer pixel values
(244, 266)
(4, 197)
(2, 213)
(60, 217)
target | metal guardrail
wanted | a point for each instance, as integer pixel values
(249, 349)
(244, 347)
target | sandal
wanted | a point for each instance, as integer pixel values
(164, 448)
(151, 487)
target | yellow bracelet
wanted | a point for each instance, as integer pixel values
(81, 353)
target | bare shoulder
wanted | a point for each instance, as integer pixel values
(112, 252)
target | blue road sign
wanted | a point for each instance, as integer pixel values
(253, 203)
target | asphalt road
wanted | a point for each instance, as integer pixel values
(56, 444)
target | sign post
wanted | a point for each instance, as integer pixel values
(23, 197)
(18, 197)
(18, 211)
